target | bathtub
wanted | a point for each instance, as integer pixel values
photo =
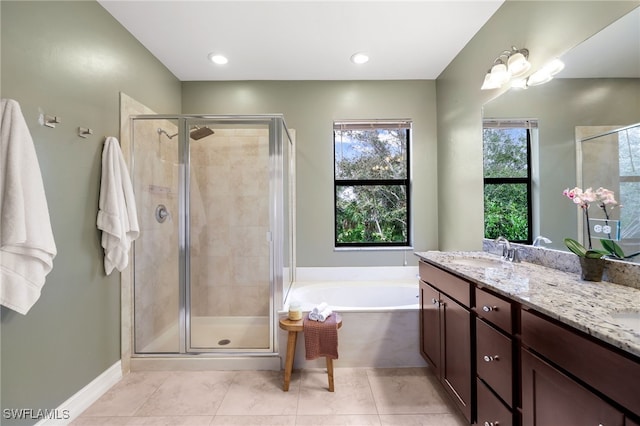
(358, 296)
(380, 322)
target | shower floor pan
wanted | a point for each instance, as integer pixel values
(207, 333)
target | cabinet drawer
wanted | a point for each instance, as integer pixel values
(457, 288)
(491, 412)
(494, 309)
(602, 367)
(494, 360)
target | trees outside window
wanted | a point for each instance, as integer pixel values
(507, 180)
(371, 183)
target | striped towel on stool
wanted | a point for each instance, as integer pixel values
(320, 338)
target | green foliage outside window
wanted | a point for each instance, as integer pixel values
(505, 212)
(371, 214)
(371, 172)
(506, 209)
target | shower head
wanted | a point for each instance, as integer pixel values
(161, 131)
(195, 134)
(200, 132)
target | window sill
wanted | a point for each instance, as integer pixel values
(387, 248)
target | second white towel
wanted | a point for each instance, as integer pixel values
(319, 308)
(320, 313)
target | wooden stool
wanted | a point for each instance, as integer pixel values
(293, 327)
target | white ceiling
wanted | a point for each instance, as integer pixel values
(303, 39)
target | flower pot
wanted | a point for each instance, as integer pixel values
(592, 269)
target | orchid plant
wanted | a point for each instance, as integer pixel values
(604, 198)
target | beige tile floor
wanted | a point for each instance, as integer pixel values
(367, 397)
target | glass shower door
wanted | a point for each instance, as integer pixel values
(229, 244)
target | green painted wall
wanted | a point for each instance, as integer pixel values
(548, 29)
(310, 107)
(70, 59)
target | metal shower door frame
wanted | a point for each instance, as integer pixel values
(277, 133)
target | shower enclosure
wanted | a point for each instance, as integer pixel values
(607, 157)
(215, 247)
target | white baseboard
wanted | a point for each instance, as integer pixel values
(71, 409)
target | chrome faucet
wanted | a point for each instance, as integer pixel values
(506, 246)
(508, 253)
(540, 239)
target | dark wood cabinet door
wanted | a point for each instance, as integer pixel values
(491, 411)
(549, 398)
(456, 357)
(430, 325)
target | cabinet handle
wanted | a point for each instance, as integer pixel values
(489, 358)
(489, 308)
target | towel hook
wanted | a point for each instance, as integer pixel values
(49, 120)
(83, 132)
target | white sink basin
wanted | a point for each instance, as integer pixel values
(628, 319)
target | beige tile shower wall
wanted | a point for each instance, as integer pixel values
(156, 289)
(599, 152)
(229, 223)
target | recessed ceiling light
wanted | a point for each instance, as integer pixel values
(218, 59)
(359, 58)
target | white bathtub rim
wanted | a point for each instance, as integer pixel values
(339, 309)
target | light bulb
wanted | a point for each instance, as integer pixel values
(489, 83)
(500, 74)
(554, 67)
(518, 64)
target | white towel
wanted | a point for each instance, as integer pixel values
(27, 247)
(321, 316)
(320, 312)
(117, 217)
(319, 308)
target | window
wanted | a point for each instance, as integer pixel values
(507, 180)
(371, 183)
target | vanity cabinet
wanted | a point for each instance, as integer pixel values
(445, 332)
(570, 378)
(507, 364)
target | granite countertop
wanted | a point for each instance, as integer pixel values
(584, 305)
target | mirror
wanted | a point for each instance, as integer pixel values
(619, 148)
(600, 86)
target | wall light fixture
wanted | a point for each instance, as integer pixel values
(509, 64)
(512, 65)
